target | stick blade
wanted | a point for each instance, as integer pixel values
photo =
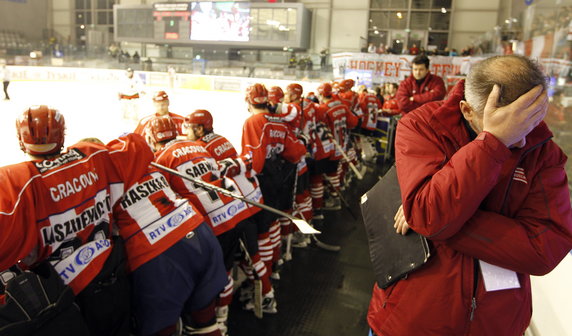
(304, 227)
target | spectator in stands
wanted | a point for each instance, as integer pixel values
(136, 57)
(421, 87)
(371, 48)
(323, 57)
(5, 75)
(414, 50)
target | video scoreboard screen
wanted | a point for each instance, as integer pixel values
(201, 21)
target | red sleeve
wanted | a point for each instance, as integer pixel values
(18, 232)
(321, 113)
(428, 185)
(131, 156)
(351, 119)
(403, 95)
(537, 238)
(251, 143)
(436, 91)
(294, 149)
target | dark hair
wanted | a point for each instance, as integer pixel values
(421, 59)
(515, 75)
(261, 106)
(395, 85)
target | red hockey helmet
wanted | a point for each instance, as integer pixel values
(41, 130)
(275, 94)
(160, 96)
(200, 117)
(296, 89)
(256, 94)
(346, 85)
(160, 129)
(325, 90)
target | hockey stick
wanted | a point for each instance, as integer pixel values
(352, 166)
(302, 225)
(257, 283)
(324, 246)
(342, 198)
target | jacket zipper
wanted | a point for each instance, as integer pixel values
(475, 286)
(476, 261)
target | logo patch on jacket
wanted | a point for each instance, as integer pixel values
(519, 175)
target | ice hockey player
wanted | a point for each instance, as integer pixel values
(129, 93)
(302, 122)
(200, 129)
(339, 121)
(350, 97)
(370, 107)
(222, 212)
(275, 152)
(275, 99)
(58, 208)
(161, 104)
(168, 242)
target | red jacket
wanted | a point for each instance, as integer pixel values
(431, 89)
(474, 200)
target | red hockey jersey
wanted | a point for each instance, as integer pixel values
(264, 134)
(369, 105)
(218, 146)
(339, 120)
(151, 218)
(351, 100)
(177, 119)
(190, 158)
(61, 208)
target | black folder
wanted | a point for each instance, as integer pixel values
(392, 255)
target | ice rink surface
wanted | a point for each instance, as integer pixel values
(94, 110)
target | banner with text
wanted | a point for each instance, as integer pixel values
(371, 69)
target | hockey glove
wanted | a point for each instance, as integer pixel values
(229, 167)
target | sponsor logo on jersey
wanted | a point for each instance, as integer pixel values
(74, 154)
(200, 169)
(224, 214)
(219, 150)
(209, 137)
(277, 134)
(71, 266)
(273, 118)
(188, 150)
(143, 190)
(334, 103)
(72, 186)
(161, 228)
(338, 113)
(60, 231)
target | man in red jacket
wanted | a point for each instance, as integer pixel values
(421, 87)
(485, 156)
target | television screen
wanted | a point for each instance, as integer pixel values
(220, 21)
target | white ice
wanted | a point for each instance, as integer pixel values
(93, 110)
